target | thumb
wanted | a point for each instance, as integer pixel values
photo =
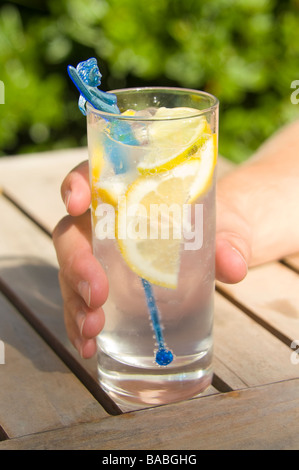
(232, 257)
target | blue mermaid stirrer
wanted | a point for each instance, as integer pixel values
(87, 77)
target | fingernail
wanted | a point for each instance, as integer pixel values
(84, 291)
(241, 256)
(78, 346)
(80, 318)
(66, 199)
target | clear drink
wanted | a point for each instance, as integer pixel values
(152, 174)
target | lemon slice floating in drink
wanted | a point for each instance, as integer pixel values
(177, 134)
(153, 259)
(140, 230)
(176, 169)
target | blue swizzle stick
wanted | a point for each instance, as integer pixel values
(163, 356)
(87, 77)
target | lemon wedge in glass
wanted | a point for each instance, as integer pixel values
(175, 135)
(149, 225)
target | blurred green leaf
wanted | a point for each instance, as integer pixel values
(244, 51)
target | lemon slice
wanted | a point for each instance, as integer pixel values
(151, 244)
(154, 259)
(129, 112)
(97, 165)
(206, 160)
(176, 135)
(97, 162)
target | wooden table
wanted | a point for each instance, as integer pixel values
(49, 397)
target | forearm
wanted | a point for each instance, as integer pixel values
(264, 192)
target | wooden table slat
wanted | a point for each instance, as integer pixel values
(33, 182)
(293, 261)
(249, 349)
(275, 301)
(31, 368)
(264, 418)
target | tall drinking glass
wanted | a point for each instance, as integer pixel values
(152, 176)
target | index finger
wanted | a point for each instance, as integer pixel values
(78, 266)
(75, 190)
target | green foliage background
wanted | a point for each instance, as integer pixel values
(244, 51)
